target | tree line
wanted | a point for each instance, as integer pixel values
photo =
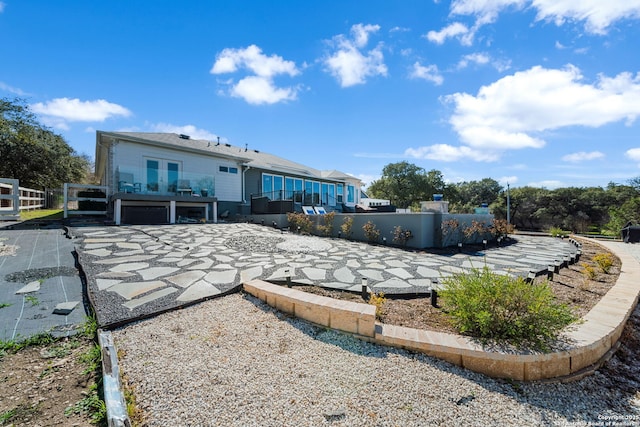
(33, 153)
(575, 209)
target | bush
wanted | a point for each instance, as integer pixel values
(604, 261)
(500, 308)
(371, 232)
(401, 236)
(299, 221)
(558, 232)
(346, 227)
(327, 229)
(378, 300)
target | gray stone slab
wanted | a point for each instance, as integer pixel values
(29, 287)
(155, 272)
(119, 260)
(344, 275)
(129, 245)
(371, 274)
(130, 290)
(184, 280)
(198, 290)
(396, 263)
(391, 283)
(400, 272)
(250, 274)
(221, 277)
(65, 308)
(116, 274)
(428, 272)
(149, 298)
(104, 284)
(204, 265)
(99, 252)
(315, 273)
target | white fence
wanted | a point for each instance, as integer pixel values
(14, 199)
(72, 199)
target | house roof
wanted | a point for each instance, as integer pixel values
(249, 157)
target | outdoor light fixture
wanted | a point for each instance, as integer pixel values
(287, 275)
(365, 291)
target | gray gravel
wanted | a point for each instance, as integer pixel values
(234, 361)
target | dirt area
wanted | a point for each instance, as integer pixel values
(571, 286)
(45, 385)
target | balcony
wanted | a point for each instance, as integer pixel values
(163, 182)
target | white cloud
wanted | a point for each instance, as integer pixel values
(633, 154)
(549, 184)
(348, 64)
(449, 153)
(429, 73)
(597, 15)
(508, 113)
(261, 90)
(58, 112)
(456, 29)
(476, 58)
(582, 156)
(190, 130)
(259, 87)
(5, 87)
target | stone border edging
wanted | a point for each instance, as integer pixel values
(117, 415)
(591, 340)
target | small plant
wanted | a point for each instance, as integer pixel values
(327, 228)
(5, 304)
(92, 404)
(371, 232)
(558, 232)
(92, 359)
(401, 236)
(20, 413)
(501, 308)
(346, 227)
(299, 222)
(604, 261)
(32, 299)
(500, 228)
(378, 300)
(589, 271)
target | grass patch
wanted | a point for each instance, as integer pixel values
(21, 413)
(5, 304)
(92, 404)
(42, 214)
(31, 299)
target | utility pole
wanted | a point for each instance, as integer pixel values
(508, 205)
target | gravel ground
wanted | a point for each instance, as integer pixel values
(234, 361)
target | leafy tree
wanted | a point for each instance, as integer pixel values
(34, 154)
(406, 184)
(472, 194)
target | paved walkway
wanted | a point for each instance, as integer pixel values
(138, 271)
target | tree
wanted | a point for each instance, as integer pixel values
(34, 154)
(472, 194)
(406, 184)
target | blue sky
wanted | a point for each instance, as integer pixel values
(529, 92)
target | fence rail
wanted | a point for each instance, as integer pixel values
(14, 199)
(74, 203)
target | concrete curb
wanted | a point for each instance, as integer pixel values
(113, 396)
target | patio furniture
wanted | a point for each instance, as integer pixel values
(184, 187)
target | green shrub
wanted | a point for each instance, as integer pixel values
(504, 309)
(604, 261)
(557, 232)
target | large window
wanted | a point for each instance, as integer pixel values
(340, 193)
(161, 175)
(311, 192)
(293, 189)
(272, 186)
(328, 194)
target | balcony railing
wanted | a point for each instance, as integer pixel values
(164, 182)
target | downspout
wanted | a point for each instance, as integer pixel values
(244, 184)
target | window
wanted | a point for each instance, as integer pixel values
(351, 194)
(328, 194)
(340, 192)
(293, 189)
(228, 169)
(272, 186)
